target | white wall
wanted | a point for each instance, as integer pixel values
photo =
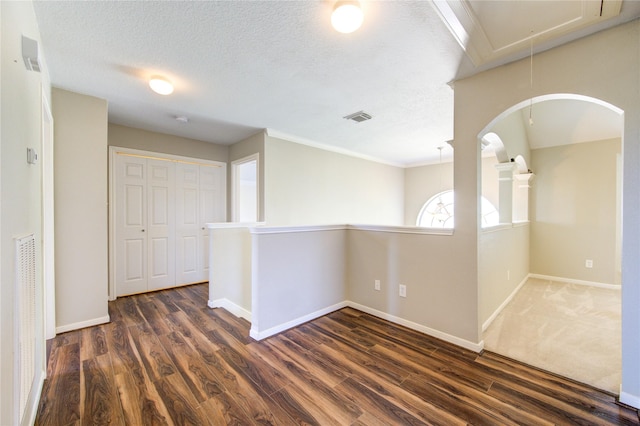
(80, 210)
(306, 186)
(20, 185)
(574, 211)
(602, 66)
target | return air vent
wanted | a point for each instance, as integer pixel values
(359, 116)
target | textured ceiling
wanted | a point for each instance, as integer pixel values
(242, 66)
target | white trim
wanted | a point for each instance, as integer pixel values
(83, 324)
(628, 399)
(259, 335)
(315, 228)
(231, 225)
(402, 229)
(236, 310)
(476, 347)
(48, 221)
(493, 316)
(31, 411)
(302, 141)
(234, 168)
(498, 227)
(574, 281)
(296, 229)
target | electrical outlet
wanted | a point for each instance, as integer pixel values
(376, 285)
(403, 290)
(588, 263)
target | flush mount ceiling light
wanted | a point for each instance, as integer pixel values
(161, 85)
(347, 16)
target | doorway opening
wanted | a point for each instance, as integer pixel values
(559, 270)
(245, 172)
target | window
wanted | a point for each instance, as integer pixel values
(438, 212)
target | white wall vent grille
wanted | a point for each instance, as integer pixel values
(25, 319)
(358, 117)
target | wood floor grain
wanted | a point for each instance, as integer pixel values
(167, 359)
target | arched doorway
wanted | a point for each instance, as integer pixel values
(552, 292)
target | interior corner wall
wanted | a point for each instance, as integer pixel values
(80, 167)
(145, 140)
(309, 186)
(250, 146)
(20, 186)
(574, 212)
(423, 182)
(420, 184)
(602, 66)
(513, 134)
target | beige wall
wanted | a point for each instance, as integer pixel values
(128, 137)
(603, 66)
(513, 134)
(423, 182)
(308, 186)
(80, 210)
(503, 266)
(420, 184)
(20, 187)
(574, 211)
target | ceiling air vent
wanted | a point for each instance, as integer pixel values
(359, 116)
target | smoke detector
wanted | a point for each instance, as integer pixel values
(358, 117)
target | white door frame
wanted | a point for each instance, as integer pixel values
(48, 223)
(235, 210)
(115, 150)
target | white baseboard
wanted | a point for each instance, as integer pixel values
(574, 281)
(259, 335)
(34, 401)
(476, 347)
(628, 399)
(236, 310)
(493, 316)
(83, 324)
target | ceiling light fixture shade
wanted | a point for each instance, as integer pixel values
(347, 16)
(161, 85)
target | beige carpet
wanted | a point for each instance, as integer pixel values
(568, 329)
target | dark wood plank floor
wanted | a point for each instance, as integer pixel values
(168, 359)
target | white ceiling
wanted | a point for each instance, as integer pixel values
(242, 66)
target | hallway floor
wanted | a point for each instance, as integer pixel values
(569, 329)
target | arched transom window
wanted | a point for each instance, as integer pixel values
(438, 212)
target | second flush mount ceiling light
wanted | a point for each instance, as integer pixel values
(347, 16)
(161, 85)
